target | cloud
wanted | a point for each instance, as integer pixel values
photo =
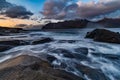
(69, 9)
(4, 5)
(14, 11)
(18, 12)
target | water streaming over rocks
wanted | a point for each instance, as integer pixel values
(69, 51)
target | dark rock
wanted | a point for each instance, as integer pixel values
(108, 56)
(59, 50)
(83, 50)
(67, 41)
(64, 52)
(13, 42)
(69, 54)
(93, 74)
(42, 40)
(35, 66)
(81, 57)
(5, 47)
(63, 65)
(51, 58)
(71, 24)
(104, 35)
(32, 68)
(7, 31)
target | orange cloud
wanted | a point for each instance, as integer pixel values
(9, 22)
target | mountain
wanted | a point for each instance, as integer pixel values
(110, 22)
(74, 24)
(66, 24)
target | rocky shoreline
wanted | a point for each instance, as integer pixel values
(29, 67)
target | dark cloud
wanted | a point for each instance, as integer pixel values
(54, 8)
(68, 9)
(14, 11)
(4, 5)
(18, 12)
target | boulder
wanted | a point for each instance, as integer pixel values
(103, 35)
(32, 68)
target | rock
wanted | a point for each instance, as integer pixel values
(5, 47)
(14, 42)
(51, 58)
(69, 54)
(67, 41)
(42, 40)
(7, 31)
(82, 50)
(64, 52)
(71, 24)
(103, 35)
(32, 68)
(108, 56)
(93, 74)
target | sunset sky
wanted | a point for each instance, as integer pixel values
(56, 9)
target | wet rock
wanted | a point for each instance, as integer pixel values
(14, 42)
(67, 41)
(51, 58)
(108, 56)
(91, 73)
(69, 54)
(32, 68)
(82, 50)
(81, 57)
(104, 35)
(64, 52)
(59, 50)
(5, 47)
(42, 40)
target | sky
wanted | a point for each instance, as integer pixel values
(20, 11)
(33, 5)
